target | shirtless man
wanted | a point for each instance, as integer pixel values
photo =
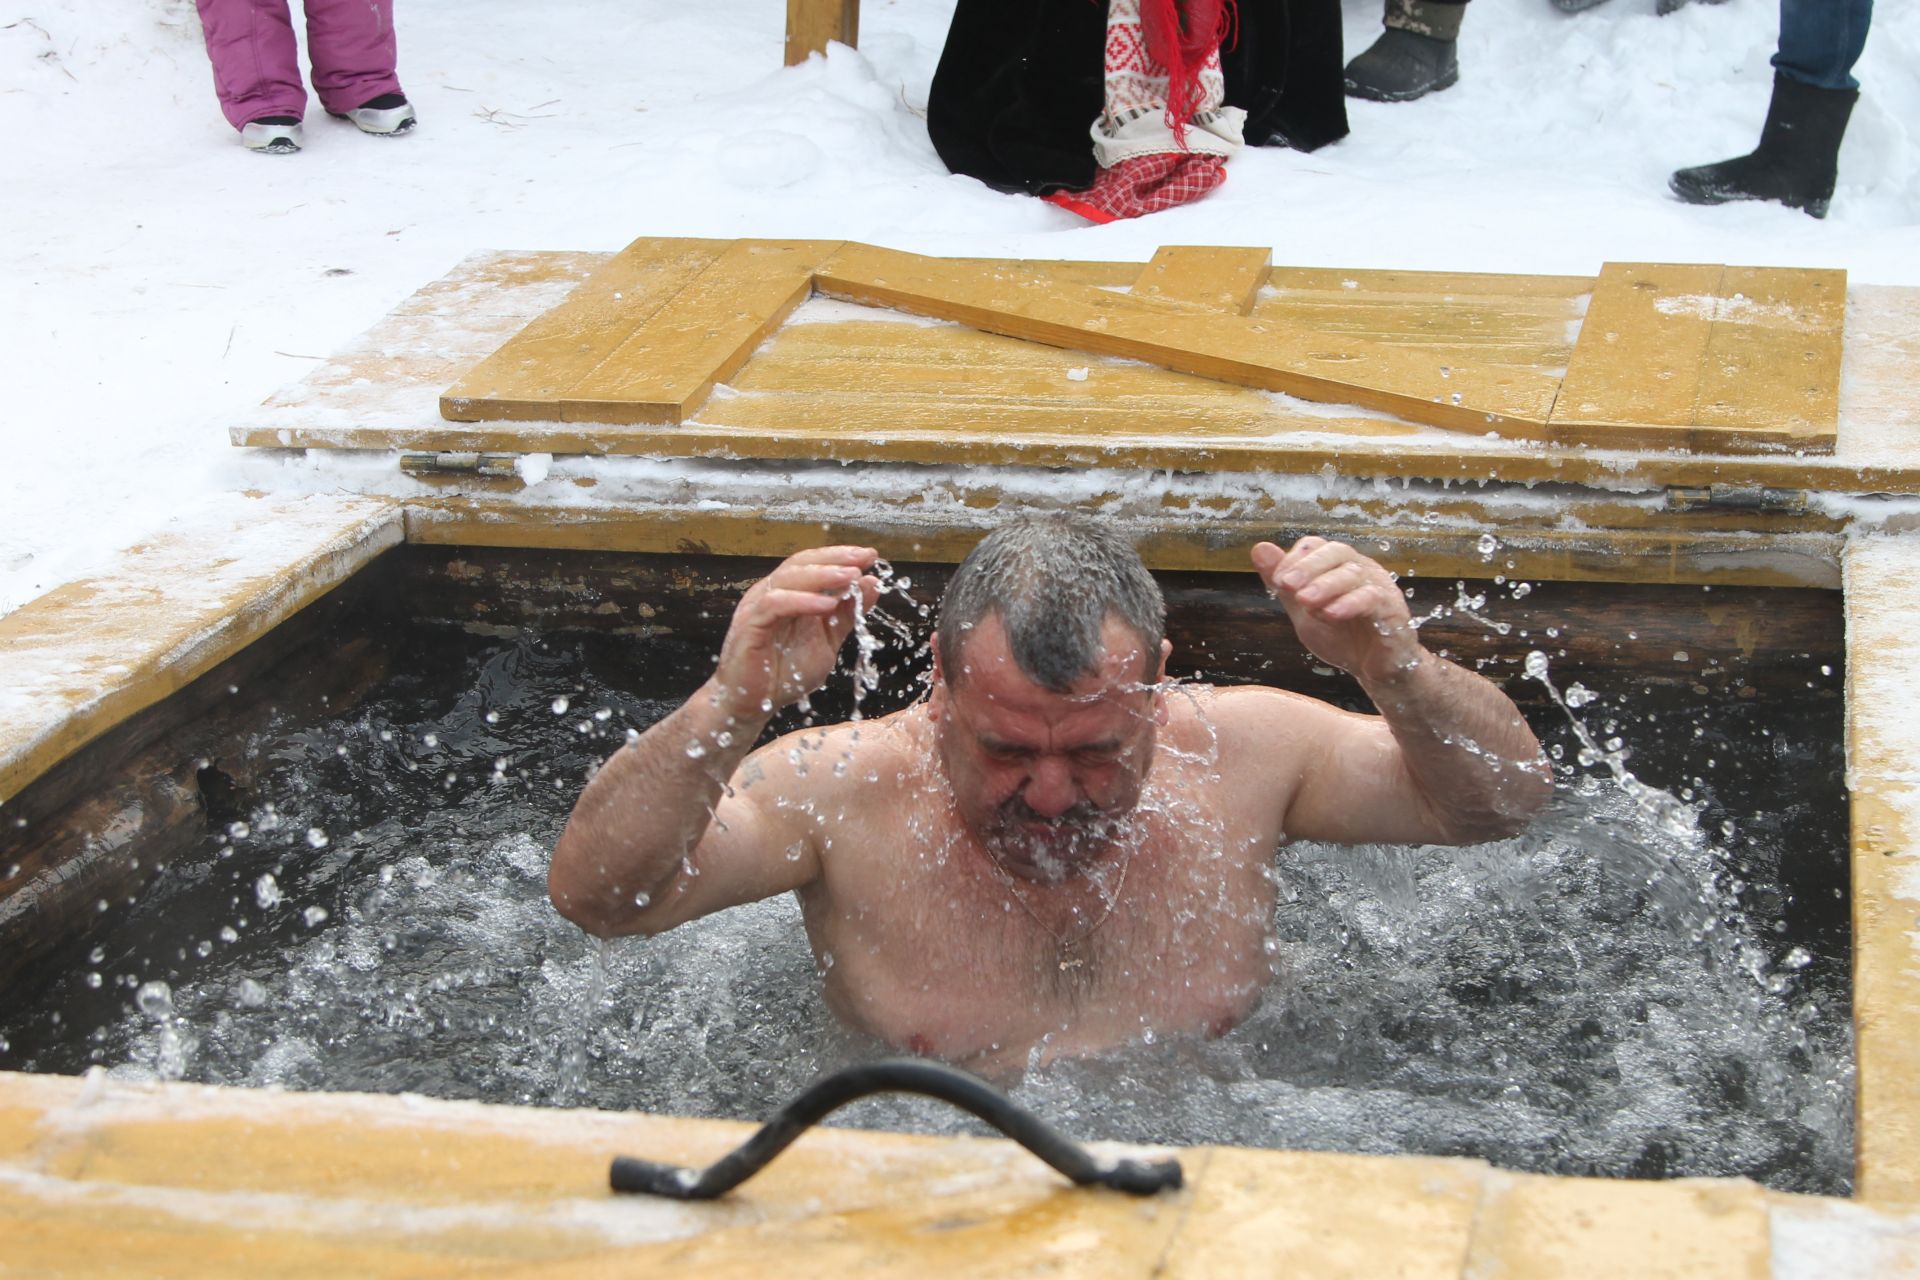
(1055, 851)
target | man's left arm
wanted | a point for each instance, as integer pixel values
(1450, 758)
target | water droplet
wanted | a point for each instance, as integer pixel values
(249, 994)
(229, 934)
(266, 891)
(97, 955)
(560, 705)
(642, 899)
(493, 717)
(316, 838)
(695, 749)
(1486, 546)
(155, 999)
(430, 740)
(1536, 665)
(204, 947)
(314, 916)
(238, 831)
(94, 980)
(604, 713)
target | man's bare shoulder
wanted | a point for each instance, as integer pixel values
(851, 755)
(1250, 722)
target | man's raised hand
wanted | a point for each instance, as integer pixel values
(787, 630)
(1345, 607)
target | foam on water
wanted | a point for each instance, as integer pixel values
(1605, 994)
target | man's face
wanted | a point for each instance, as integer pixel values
(1047, 780)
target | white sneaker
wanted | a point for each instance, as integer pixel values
(387, 115)
(276, 135)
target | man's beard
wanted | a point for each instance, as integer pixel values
(1050, 848)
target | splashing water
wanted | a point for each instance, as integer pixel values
(1593, 997)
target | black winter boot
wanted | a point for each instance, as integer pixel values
(1413, 57)
(1797, 159)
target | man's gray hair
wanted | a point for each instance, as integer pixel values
(1053, 580)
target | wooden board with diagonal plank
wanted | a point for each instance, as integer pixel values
(913, 392)
(1699, 357)
(1267, 355)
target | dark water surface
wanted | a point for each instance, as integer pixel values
(1602, 995)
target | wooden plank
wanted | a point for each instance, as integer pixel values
(1260, 1214)
(1597, 1229)
(1458, 318)
(1637, 361)
(1227, 280)
(1181, 536)
(812, 23)
(367, 397)
(1708, 359)
(667, 365)
(524, 379)
(1447, 285)
(87, 655)
(1774, 357)
(1883, 759)
(1267, 355)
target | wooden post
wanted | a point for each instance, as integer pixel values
(811, 23)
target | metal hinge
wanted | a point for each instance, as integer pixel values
(473, 464)
(1737, 497)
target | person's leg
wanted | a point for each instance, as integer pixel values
(1820, 40)
(354, 52)
(1414, 56)
(256, 61)
(1797, 161)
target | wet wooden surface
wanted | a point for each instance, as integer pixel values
(1883, 670)
(84, 657)
(103, 1179)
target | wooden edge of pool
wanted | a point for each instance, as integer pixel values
(87, 655)
(1883, 778)
(105, 1178)
(237, 1181)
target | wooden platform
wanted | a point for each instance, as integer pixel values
(721, 349)
(99, 1179)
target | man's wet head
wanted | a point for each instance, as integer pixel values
(1049, 654)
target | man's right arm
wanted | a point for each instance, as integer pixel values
(680, 822)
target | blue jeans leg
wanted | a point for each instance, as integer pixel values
(1820, 40)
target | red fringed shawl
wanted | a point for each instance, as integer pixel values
(1180, 34)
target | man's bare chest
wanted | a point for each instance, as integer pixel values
(949, 959)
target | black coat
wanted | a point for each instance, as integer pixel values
(1020, 82)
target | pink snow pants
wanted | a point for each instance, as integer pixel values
(256, 65)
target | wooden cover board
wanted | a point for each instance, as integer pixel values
(1705, 358)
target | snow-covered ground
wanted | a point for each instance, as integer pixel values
(159, 279)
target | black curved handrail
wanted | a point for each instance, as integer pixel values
(893, 1075)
